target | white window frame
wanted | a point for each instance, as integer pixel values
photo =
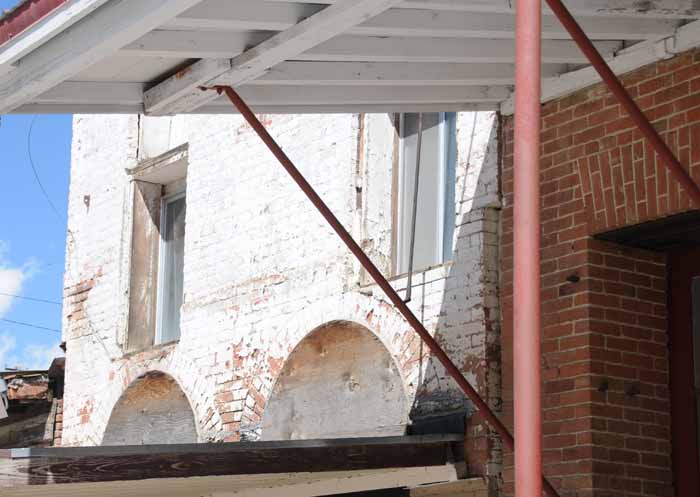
(445, 152)
(164, 201)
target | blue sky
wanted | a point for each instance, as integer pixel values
(32, 235)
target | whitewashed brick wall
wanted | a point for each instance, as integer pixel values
(262, 268)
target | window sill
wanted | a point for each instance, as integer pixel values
(154, 349)
(421, 277)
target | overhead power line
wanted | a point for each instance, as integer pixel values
(36, 173)
(33, 299)
(29, 325)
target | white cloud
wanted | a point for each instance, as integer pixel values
(37, 356)
(7, 345)
(11, 279)
(32, 356)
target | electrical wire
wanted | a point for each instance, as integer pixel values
(29, 325)
(33, 299)
(36, 173)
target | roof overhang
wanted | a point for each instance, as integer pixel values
(309, 467)
(297, 56)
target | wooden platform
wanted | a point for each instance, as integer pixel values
(310, 467)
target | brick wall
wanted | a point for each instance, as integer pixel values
(605, 357)
(262, 269)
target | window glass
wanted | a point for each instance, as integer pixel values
(435, 209)
(171, 261)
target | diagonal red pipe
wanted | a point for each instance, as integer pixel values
(626, 101)
(376, 275)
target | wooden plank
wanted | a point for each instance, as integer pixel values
(364, 49)
(145, 235)
(355, 49)
(320, 27)
(129, 94)
(44, 29)
(86, 42)
(652, 9)
(324, 95)
(280, 484)
(227, 108)
(393, 74)
(81, 92)
(247, 15)
(87, 464)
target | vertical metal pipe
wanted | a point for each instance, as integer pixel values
(526, 251)
(434, 347)
(625, 100)
(414, 211)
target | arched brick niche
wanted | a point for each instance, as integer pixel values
(340, 381)
(152, 410)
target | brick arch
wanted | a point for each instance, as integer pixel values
(241, 402)
(152, 410)
(339, 381)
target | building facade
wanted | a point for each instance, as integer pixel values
(281, 335)
(278, 333)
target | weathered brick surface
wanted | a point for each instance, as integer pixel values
(605, 357)
(262, 269)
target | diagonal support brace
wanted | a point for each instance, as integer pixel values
(626, 101)
(376, 275)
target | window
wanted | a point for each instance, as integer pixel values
(157, 250)
(170, 268)
(436, 190)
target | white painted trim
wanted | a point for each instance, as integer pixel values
(247, 15)
(88, 41)
(320, 27)
(654, 9)
(685, 38)
(344, 48)
(227, 108)
(43, 30)
(129, 94)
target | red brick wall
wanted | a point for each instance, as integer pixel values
(605, 357)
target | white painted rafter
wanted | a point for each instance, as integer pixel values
(113, 25)
(210, 45)
(44, 29)
(650, 9)
(170, 96)
(251, 15)
(392, 74)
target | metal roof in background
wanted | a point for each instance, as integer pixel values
(136, 56)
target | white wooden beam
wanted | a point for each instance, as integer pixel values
(245, 15)
(365, 49)
(195, 44)
(227, 108)
(685, 38)
(327, 95)
(320, 27)
(393, 74)
(44, 29)
(88, 93)
(129, 94)
(88, 41)
(651, 9)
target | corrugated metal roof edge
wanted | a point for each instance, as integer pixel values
(23, 15)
